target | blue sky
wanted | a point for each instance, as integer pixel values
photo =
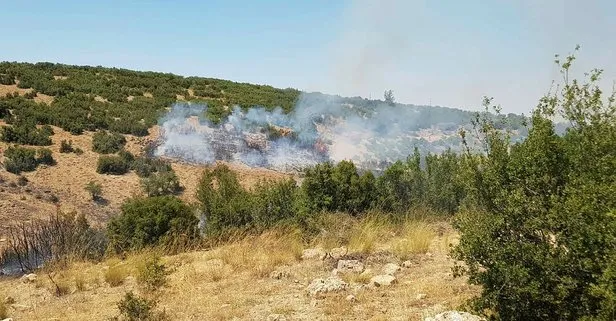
(447, 53)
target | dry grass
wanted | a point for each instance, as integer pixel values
(4, 310)
(230, 281)
(366, 234)
(416, 238)
(116, 274)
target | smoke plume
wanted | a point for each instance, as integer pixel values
(321, 128)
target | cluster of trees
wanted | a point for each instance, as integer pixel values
(26, 134)
(107, 143)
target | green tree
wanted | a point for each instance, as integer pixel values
(540, 232)
(151, 221)
(95, 189)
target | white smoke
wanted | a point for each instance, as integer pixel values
(320, 128)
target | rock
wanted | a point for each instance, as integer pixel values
(8, 319)
(322, 286)
(313, 254)
(338, 252)
(421, 296)
(407, 264)
(279, 275)
(276, 317)
(335, 272)
(383, 280)
(367, 273)
(391, 268)
(28, 278)
(9, 300)
(353, 266)
(454, 316)
(351, 298)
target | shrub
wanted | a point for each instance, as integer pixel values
(44, 156)
(107, 143)
(134, 308)
(95, 189)
(27, 134)
(66, 146)
(161, 183)
(127, 156)
(114, 165)
(20, 159)
(540, 233)
(151, 221)
(152, 273)
(144, 166)
(115, 275)
(22, 181)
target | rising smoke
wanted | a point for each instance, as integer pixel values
(320, 128)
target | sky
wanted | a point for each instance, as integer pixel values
(448, 53)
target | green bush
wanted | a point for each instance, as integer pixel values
(151, 221)
(20, 159)
(95, 189)
(152, 273)
(107, 143)
(114, 165)
(135, 308)
(161, 183)
(27, 134)
(44, 156)
(539, 235)
(144, 166)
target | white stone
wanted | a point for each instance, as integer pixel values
(407, 264)
(391, 268)
(353, 266)
(454, 316)
(313, 254)
(383, 280)
(421, 296)
(322, 286)
(29, 278)
(351, 298)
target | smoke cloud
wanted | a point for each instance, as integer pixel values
(321, 128)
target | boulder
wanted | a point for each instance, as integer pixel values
(338, 252)
(313, 254)
(454, 316)
(279, 275)
(353, 266)
(351, 298)
(391, 268)
(29, 278)
(407, 264)
(383, 280)
(322, 286)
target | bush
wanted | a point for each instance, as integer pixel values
(115, 275)
(44, 156)
(152, 221)
(540, 233)
(144, 166)
(27, 134)
(107, 143)
(20, 159)
(127, 156)
(134, 308)
(66, 146)
(114, 165)
(162, 183)
(95, 189)
(152, 273)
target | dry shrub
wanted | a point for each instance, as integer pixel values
(261, 254)
(4, 313)
(115, 275)
(368, 232)
(415, 238)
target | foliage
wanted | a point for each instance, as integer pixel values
(540, 232)
(389, 97)
(145, 166)
(114, 165)
(20, 159)
(135, 308)
(152, 273)
(44, 156)
(107, 143)
(151, 221)
(161, 183)
(61, 238)
(27, 134)
(95, 189)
